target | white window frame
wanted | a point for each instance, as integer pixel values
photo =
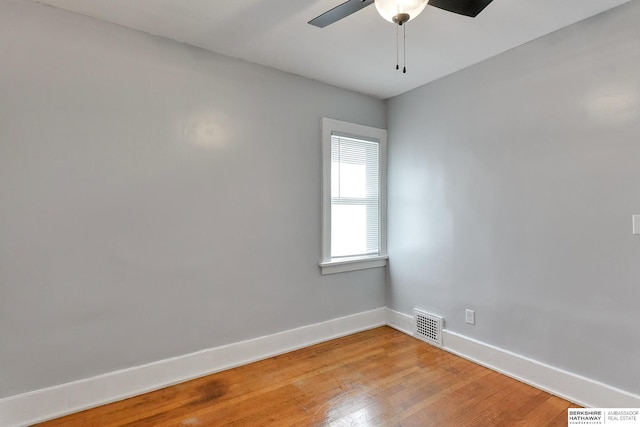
(329, 265)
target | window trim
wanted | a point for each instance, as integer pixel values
(342, 264)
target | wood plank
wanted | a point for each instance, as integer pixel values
(376, 377)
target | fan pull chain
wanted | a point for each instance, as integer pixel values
(397, 48)
(404, 48)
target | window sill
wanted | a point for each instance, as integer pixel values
(352, 264)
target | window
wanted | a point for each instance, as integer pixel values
(353, 196)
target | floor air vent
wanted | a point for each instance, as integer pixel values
(428, 327)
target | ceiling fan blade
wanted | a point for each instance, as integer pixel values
(462, 7)
(339, 12)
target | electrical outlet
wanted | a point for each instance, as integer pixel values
(470, 316)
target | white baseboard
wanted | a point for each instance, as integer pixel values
(53, 402)
(400, 321)
(575, 388)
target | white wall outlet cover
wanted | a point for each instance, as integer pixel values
(636, 224)
(470, 316)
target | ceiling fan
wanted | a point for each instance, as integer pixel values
(397, 9)
(399, 12)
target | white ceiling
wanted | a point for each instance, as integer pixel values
(358, 52)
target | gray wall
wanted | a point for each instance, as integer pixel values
(155, 199)
(511, 189)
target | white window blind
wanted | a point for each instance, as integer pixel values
(355, 197)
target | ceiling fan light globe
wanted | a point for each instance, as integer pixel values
(389, 9)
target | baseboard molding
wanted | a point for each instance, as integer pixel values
(575, 388)
(400, 321)
(53, 402)
(570, 386)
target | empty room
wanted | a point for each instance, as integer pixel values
(307, 213)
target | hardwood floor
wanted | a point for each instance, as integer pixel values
(379, 377)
